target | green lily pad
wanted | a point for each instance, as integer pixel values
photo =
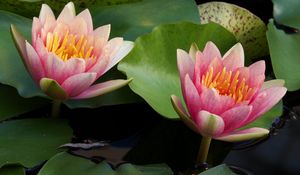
(287, 12)
(66, 164)
(12, 70)
(218, 170)
(248, 29)
(31, 141)
(284, 52)
(12, 169)
(152, 62)
(12, 104)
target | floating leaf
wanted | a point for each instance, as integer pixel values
(30, 141)
(152, 62)
(11, 104)
(218, 170)
(287, 12)
(66, 164)
(12, 169)
(285, 51)
(248, 29)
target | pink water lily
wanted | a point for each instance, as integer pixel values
(67, 55)
(221, 95)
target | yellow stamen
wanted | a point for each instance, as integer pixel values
(227, 83)
(69, 46)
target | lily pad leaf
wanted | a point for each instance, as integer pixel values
(248, 29)
(31, 141)
(67, 164)
(287, 12)
(284, 52)
(152, 62)
(12, 169)
(218, 170)
(12, 104)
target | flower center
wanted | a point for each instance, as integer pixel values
(69, 46)
(227, 83)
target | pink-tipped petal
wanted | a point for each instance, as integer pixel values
(52, 89)
(41, 51)
(79, 27)
(209, 125)
(102, 88)
(35, 31)
(73, 66)
(272, 83)
(67, 14)
(234, 57)
(264, 101)
(257, 74)
(86, 15)
(54, 67)
(191, 96)
(247, 134)
(102, 32)
(235, 116)
(177, 105)
(33, 63)
(45, 13)
(122, 52)
(211, 51)
(78, 83)
(99, 66)
(185, 65)
(213, 102)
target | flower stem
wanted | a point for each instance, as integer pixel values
(55, 108)
(203, 150)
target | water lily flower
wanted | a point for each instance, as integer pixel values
(221, 95)
(67, 55)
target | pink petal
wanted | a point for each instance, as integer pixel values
(122, 52)
(191, 96)
(234, 57)
(73, 66)
(102, 32)
(209, 125)
(247, 134)
(264, 101)
(234, 117)
(272, 83)
(67, 14)
(33, 63)
(45, 13)
(185, 65)
(41, 51)
(79, 27)
(102, 88)
(198, 70)
(78, 83)
(54, 67)
(211, 51)
(86, 15)
(36, 30)
(61, 29)
(48, 26)
(257, 74)
(213, 102)
(177, 105)
(99, 66)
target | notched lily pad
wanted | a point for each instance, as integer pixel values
(64, 163)
(247, 28)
